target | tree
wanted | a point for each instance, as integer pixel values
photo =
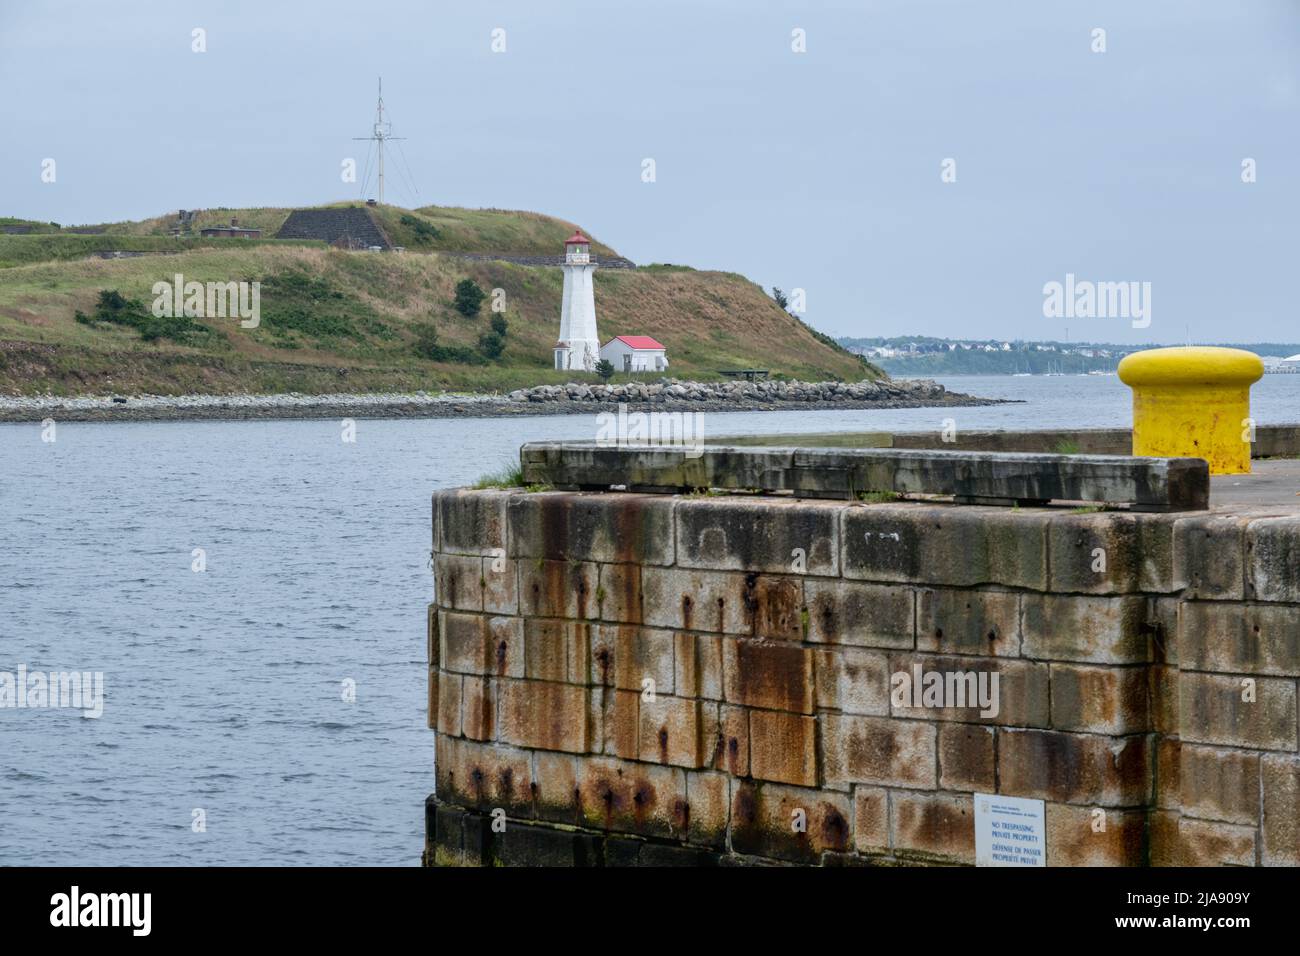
(779, 297)
(499, 325)
(605, 369)
(492, 344)
(469, 297)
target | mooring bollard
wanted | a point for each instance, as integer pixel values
(1193, 402)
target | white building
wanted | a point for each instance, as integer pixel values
(578, 347)
(635, 353)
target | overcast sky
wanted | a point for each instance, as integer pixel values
(818, 170)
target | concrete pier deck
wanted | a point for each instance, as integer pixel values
(1272, 487)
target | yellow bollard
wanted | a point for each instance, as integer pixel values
(1193, 402)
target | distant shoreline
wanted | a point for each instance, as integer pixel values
(287, 407)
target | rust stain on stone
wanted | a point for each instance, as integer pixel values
(749, 597)
(579, 581)
(555, 525)
(681, 814)
(771, 675)
(506, 780)
(746, 806)
(643, 800)
(834, 829)
(476, 777)
(778, 610)
(825, 612)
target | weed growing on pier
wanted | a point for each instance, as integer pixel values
(510, 475)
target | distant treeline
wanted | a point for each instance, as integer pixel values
(934, 357)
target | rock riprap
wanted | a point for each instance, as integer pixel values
(763, 392)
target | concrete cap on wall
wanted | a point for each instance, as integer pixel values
(1191, 365)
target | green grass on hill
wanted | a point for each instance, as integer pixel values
(334, 321)
(26, 250)
(427, 229)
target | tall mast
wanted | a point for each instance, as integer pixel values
(382, 134)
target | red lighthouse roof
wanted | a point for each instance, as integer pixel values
(576, 238)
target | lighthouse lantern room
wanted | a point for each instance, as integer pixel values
(578, 346)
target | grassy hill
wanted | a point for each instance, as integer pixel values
(334, 321)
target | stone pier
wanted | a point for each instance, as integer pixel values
(622, 678)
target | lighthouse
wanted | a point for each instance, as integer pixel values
(578, 347)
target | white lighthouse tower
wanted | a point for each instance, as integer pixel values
(578, 346)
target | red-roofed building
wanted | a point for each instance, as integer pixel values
(635, 353)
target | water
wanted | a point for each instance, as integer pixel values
(224, 689)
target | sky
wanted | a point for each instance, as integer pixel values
(822, 170)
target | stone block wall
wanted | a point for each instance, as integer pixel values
(623, 678)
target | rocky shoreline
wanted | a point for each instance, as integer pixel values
(571, 399)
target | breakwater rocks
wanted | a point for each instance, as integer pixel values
(744, 394)
(572, 399)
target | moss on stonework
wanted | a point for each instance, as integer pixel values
(878, 497)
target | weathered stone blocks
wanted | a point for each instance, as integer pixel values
(788, 823)
(1273, 553)
(783, 747)
(878, 750)
(958, 547)
(1281, 826)
(758, 536)
(968, 622)
(967, 758)
(1245, 639)
(934, 825)
(859, 614)
(671, 731)
(1219, 784)
(1110, 553)
(563, 526)
(639, 679)
(1075, 768)
(1237, 711)
(768, 674)
(1209, 557)
(1105, 630)
(1108, 700)
(543, 715)
(1093, 836)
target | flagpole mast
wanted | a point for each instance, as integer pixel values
(381, 135)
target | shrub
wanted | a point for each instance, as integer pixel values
(424, 232)
(469, 298)
(115, 309)
(426, 342)
(605, 369)
(499, 325)
(492, 344)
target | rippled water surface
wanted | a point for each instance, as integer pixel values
(223, 689)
